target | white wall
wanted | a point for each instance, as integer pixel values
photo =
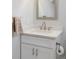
(27, 10)
(24, 8)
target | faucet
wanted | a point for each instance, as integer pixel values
(43, 27)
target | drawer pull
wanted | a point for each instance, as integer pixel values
(36, 52)
(33, 51)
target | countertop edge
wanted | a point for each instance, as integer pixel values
(40, 36)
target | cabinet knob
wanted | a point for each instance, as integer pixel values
(36, 52)
(33, 51)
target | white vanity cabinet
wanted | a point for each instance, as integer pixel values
(33, 52)
(27, 52)
(44, 53)
(36, 47)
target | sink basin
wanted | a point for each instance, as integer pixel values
(46, 33)
(41, 31)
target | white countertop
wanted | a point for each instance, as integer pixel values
(43, 33)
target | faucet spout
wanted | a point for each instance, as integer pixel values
(43, 26)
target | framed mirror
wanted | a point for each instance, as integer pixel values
(46, 9)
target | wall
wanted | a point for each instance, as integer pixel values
(27, 10)
(23, 8)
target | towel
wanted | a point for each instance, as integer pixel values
(17, 25)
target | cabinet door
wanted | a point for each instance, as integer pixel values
(44, 53)
(27, 51)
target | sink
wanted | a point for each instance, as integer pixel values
(41, 31)
(46, 33)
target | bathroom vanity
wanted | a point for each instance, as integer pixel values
(39, 44)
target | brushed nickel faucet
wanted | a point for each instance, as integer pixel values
(43, 27)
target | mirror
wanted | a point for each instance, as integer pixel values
(46, 9)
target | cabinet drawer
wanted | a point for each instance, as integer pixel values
(50, 43)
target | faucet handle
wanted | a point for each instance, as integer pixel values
(49, 28)
(43, 26)
(43, 23)
(40, 27)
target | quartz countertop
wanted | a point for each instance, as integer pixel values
(42, 33)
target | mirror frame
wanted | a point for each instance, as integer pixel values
(47, 18)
